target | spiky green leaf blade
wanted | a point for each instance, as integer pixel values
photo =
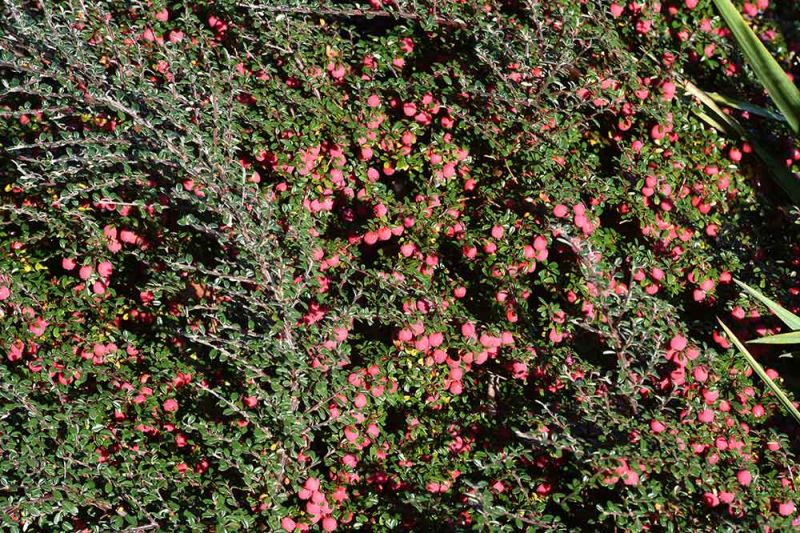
(786, 316)
(727, 124)
(793, 337)
(780, 88)
(741, 105)
(758, 369)
(730, 124)
(711, 121)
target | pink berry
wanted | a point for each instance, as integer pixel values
(744, 478)
(467, 329)
(288, 524)
(85, 272)
(726, 497)
(678, 343)
(329, 524)
(700, 374)
(706, 416)
(710, 499)
(786, 508)
(360, 401)
(104, 269)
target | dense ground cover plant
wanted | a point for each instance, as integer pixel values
(388, 265)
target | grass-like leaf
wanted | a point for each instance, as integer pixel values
(793, 337)
(780, 88)
(786, 316)
(758, 369)
(711, 121)
(727, 124)
(741, 105)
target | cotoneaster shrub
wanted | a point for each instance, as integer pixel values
(389, 266)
